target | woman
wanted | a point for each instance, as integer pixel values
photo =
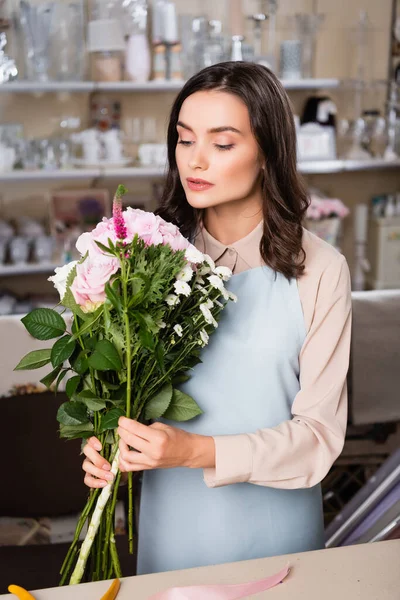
(243, 480)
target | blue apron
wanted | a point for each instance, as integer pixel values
(248, 380)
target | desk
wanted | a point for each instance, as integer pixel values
(365, 572)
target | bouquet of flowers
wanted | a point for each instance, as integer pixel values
(144, 302)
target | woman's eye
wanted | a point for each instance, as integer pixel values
(224, 147)
(184, 143)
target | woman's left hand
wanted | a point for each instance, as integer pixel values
(160, 446)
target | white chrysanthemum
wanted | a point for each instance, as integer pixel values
(178, 330)
(204, 270)
(201, 289)
(207, 315)
(182, 288)
(210, 262)
(232, 296)
(204, 337)
(216, 282)
(209, 303)
(224, 272)
(186, 274)
(199, 279)
(172, 300)
(194, 256)
(218, 303)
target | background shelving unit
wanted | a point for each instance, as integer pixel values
(308, 168)
(32, 87)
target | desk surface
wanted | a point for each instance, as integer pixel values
(365, 571)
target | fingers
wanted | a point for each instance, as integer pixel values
(96, 458)
(135, 428)
(130, 460)
(133, 440)
(91, 469)
(96, 467)
(95, 443)
(92, 482)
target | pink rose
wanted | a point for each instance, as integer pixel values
(101, 233)
(91, 278)
(143, 223)
(172, 236)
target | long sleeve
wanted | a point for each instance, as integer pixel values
(299, 452)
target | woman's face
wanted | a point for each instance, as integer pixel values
(216, 154)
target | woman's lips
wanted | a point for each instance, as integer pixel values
(198, 185)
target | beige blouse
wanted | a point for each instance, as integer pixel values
(297, 453)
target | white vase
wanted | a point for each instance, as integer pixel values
(137, 58)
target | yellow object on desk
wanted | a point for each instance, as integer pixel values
(112, 591)
(20, 592)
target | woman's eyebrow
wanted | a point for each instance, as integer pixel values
(213, 130)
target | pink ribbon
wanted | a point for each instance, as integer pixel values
(221, 592)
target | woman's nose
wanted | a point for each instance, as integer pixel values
(198, 159)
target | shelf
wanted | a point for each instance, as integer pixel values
(27, 269)
(21, 175)
(342, 166)
(307, 168)
(148, 87)
(33, 87)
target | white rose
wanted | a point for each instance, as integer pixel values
(60, 278)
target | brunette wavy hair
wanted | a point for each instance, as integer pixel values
(284, 194)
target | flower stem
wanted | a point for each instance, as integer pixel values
(78, 572)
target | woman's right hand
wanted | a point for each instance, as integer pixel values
(96, 467)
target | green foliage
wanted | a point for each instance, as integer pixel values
(182, 407)
(34, 360)
(44, 323)
(158, 404)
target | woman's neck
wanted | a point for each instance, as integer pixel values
(228, 225)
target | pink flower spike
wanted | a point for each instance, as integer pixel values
(118, 219)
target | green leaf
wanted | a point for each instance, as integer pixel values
(91, 400)
(145, 336)
(72, 432)
(180, 379)
(101, 376)
(104, 248)
(113, 297)
(44, 323)
(72, 385)
(72, 413)
(34, 360)
(110, 419)
(105, 357)
(80, 363)
(158, 404)
(159, 354)
(182, 407)
(48, 379)
(68, 299)
(59, 380)
(89, 322)
(62, 350)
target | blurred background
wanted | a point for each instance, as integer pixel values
(85, 91)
